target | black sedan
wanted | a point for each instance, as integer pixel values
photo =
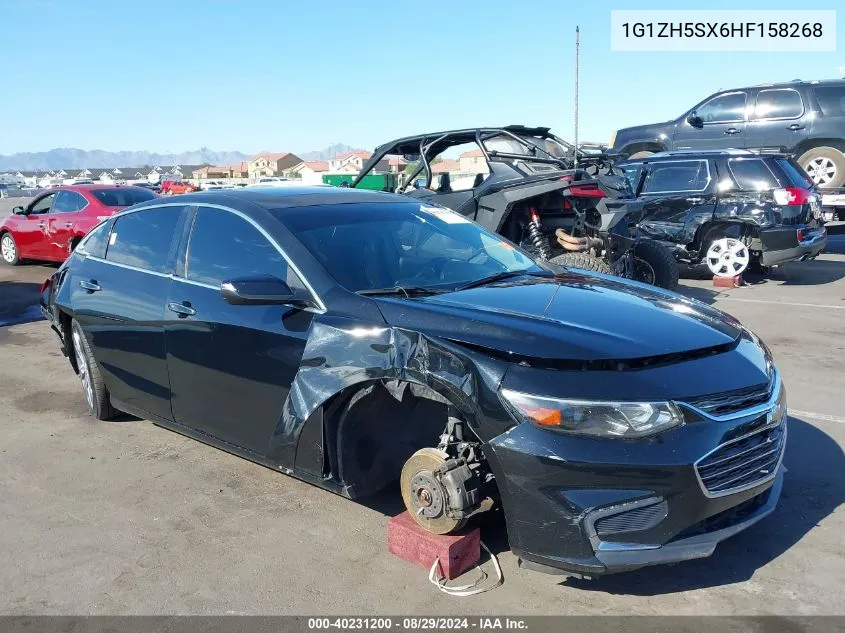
(353, 338)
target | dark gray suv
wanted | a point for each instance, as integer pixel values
(803, 118)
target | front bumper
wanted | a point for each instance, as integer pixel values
(618, 557)
(788, 243)
(593, 506)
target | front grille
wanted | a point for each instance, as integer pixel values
(744, 462)
(638, 519)
(732, 401)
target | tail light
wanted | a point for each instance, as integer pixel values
(792, 196)
(46, 285)
(800, 234)
(586, 190)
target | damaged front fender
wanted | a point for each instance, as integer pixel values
(343, 354)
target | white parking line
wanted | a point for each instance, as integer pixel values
(782, 303)
(817, 416)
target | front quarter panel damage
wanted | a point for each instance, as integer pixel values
(344, 355)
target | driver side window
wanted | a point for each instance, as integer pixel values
(726, 108)
(43, 205)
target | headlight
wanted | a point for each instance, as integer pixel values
(600, 418)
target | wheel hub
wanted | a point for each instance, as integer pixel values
(7, 248)
(427, 495)
(821, 170)
(727, 257)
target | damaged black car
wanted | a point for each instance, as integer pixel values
(354, 339)
(728, 210)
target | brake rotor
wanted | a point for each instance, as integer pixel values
(727, 257)
(425, 497)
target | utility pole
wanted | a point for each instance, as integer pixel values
(577, 52)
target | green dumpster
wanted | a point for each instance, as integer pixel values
(373, 182)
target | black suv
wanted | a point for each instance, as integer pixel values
(728, 209)
(803, 118)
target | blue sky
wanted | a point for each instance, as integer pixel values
(296, 76)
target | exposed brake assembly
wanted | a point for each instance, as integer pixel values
(442, 487)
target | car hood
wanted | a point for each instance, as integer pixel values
(572, 317)
(650, 132)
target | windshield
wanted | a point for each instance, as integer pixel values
(122, 197)
(385, 245)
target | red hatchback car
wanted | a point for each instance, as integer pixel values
(50, 227)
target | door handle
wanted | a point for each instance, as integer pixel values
(695, 200)
(732, 130)
(90, 286)
(183, 309)
(795, 127)
(41, 224)
(68, 225)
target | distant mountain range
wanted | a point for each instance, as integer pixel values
(71, 158)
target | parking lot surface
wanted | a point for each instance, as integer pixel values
(124, 517)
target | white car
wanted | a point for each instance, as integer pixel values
(211, 185)
(276, 181)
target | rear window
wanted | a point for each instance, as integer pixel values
(677, 176)
(831, 99)
(797, 176)
(752, 174)
(143, 239)
(122, 197)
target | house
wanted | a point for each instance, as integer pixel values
(446, 166)
(473, 162)
(349, 162)
(310, 172)
(272, 164)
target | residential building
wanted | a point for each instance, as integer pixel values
(310, 172)
(473, 162)
(272, 164)
(446, 166)
(349, 162)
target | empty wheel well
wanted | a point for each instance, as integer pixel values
(67, 334)
(806, 146)
(633, 148)
(372, 431)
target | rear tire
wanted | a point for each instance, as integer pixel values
(96, 394)
(582, 261)
(9, 250)
(825, 166)
(662, 264)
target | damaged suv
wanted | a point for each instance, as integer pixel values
(354, 338)
(728, 209)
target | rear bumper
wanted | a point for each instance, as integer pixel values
(782, 244)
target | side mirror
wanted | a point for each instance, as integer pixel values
(19, 211)
(694, 120)
(260, 290)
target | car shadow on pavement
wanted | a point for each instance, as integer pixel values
(19, 302)
(811, 273)
(813, 489)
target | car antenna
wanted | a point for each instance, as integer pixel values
(577, 47)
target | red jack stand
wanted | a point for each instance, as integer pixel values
(457, 553)
(727, 282)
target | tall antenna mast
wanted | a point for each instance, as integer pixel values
(577, 52)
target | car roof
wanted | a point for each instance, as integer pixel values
(81, 188)
(411, 144)
(700, 153)
(288, 197)
(797, 82)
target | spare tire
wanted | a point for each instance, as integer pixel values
(825, 166)
(583, 261)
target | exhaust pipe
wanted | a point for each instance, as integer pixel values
(576, 244)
